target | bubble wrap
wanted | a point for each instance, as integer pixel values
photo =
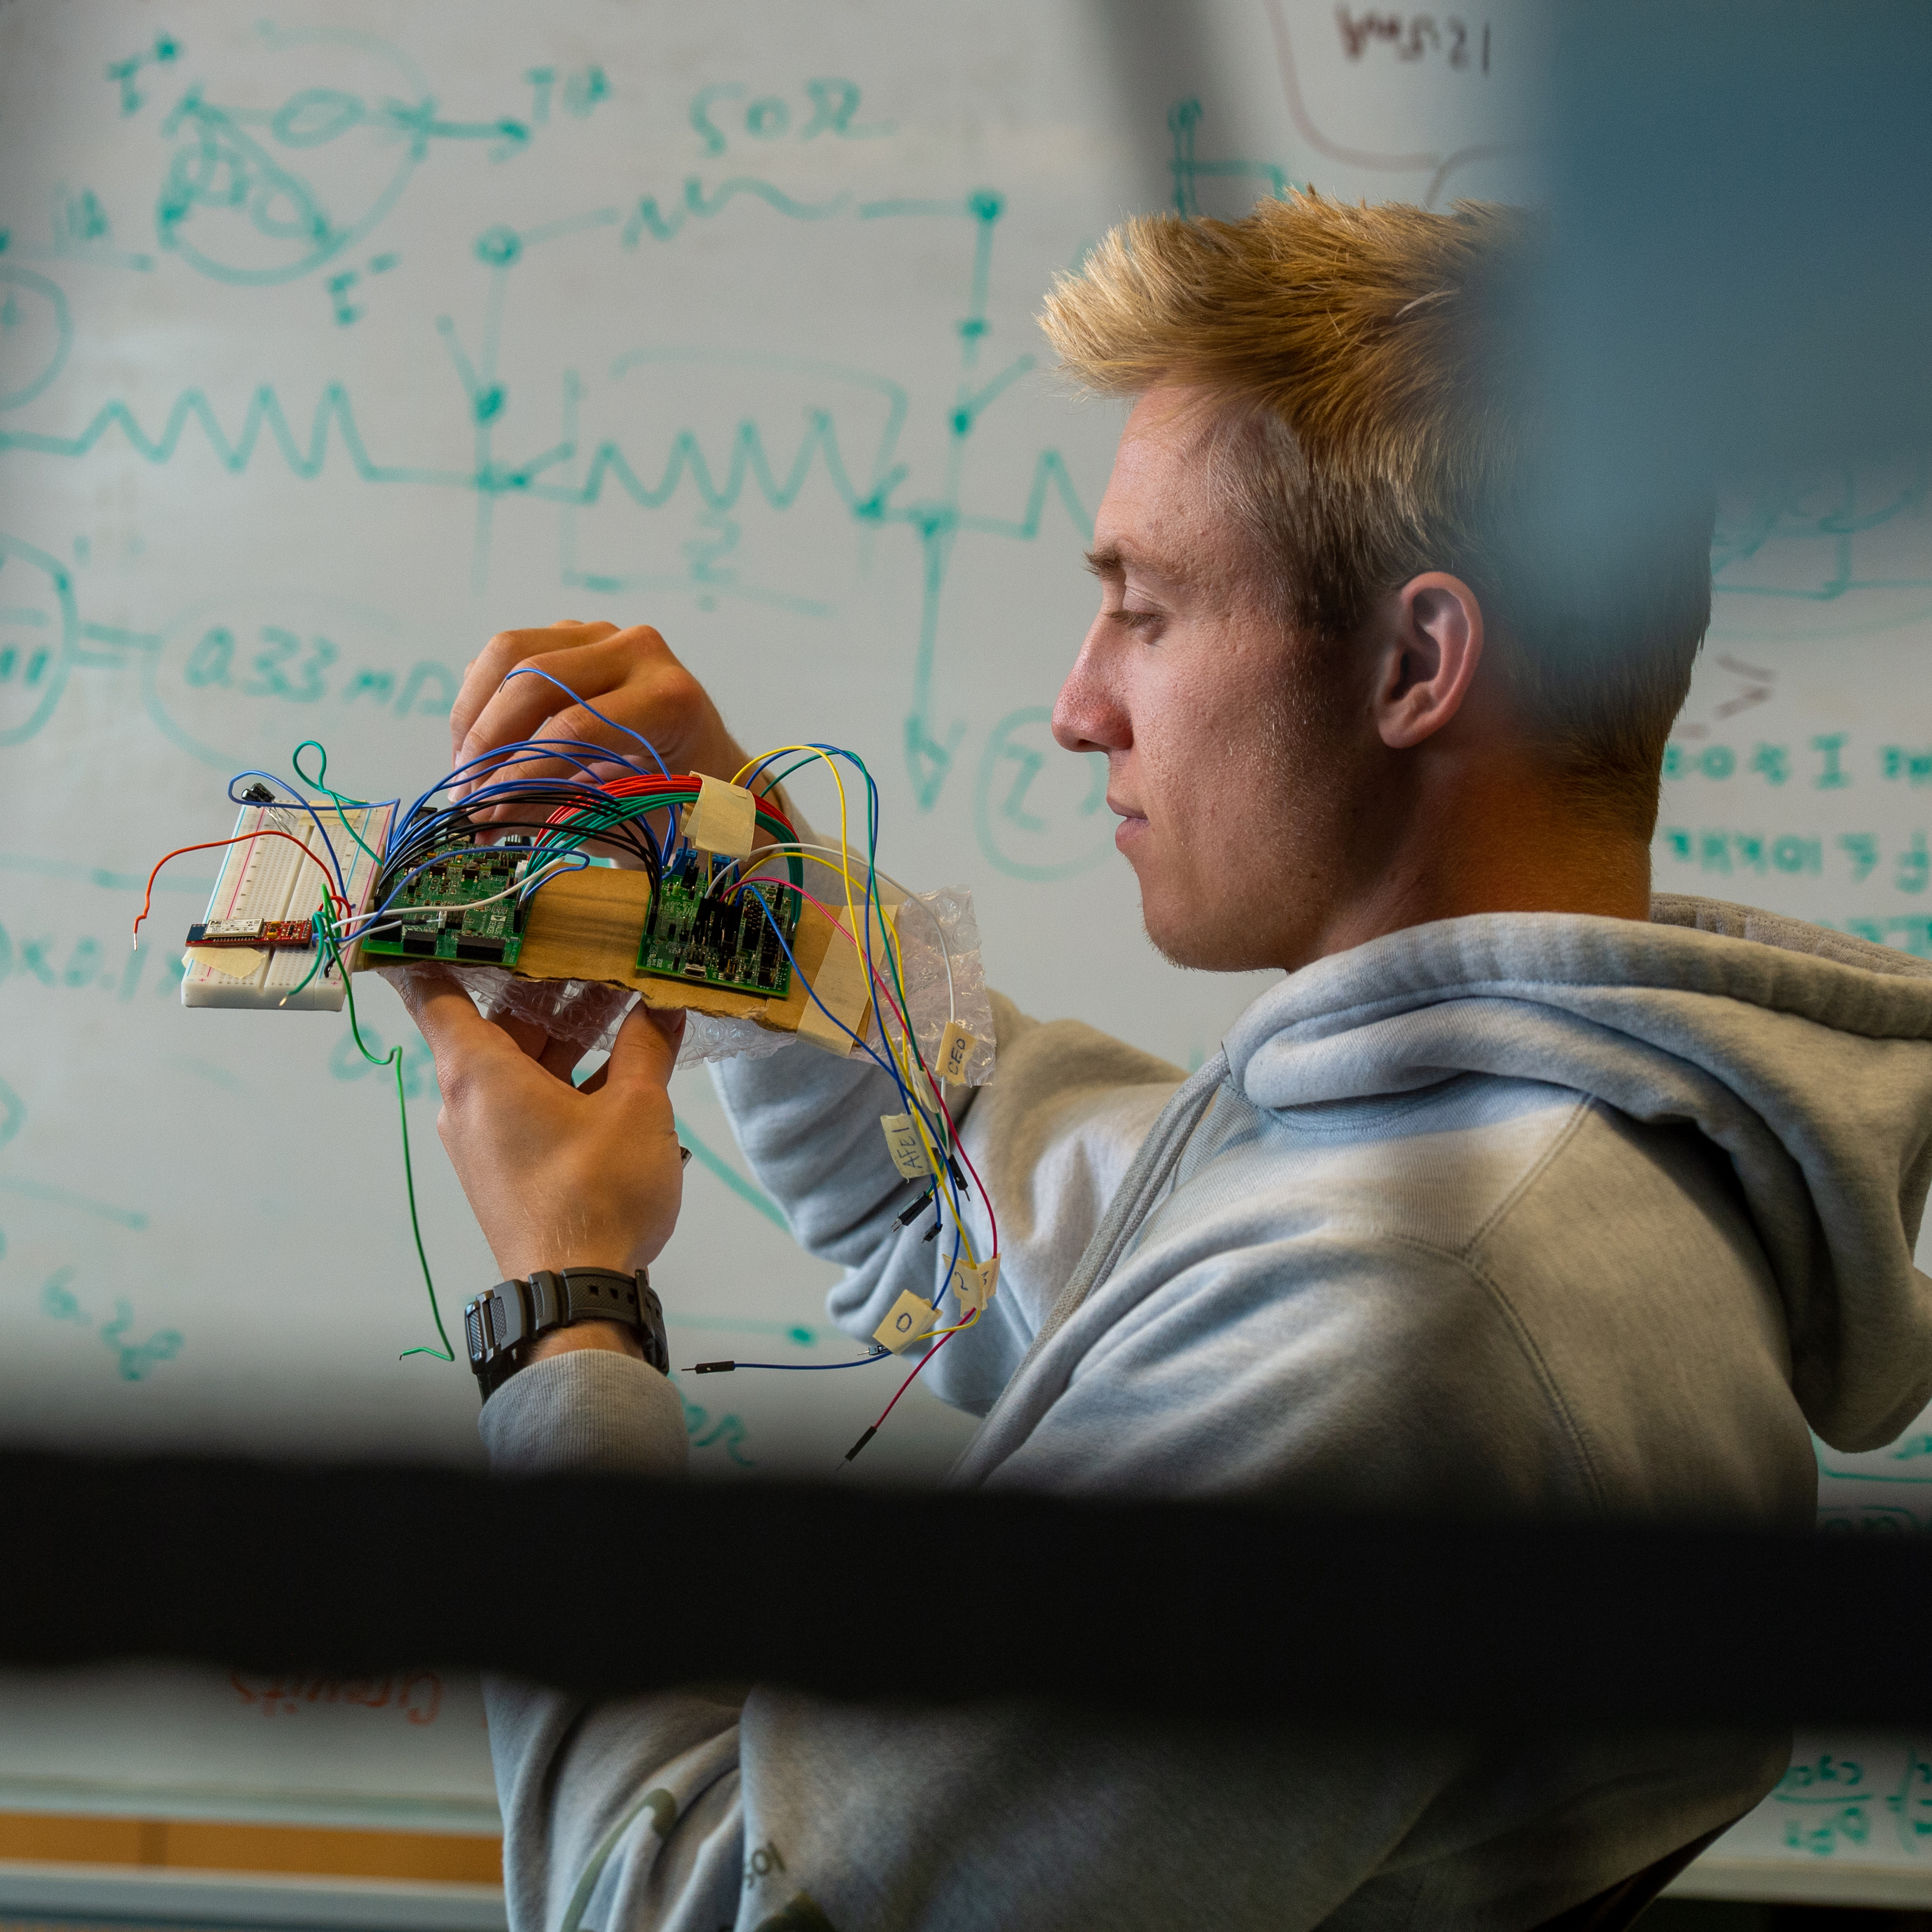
(920, 921)
(588, 1013)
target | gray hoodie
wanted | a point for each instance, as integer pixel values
(1511, 1214)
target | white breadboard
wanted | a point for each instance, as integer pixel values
(269, 879)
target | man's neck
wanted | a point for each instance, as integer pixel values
(1499, 846)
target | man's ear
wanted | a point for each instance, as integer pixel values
(1432, 643)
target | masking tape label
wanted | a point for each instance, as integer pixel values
(955, 1048)
(903, 1144)
(722, 821)
(976, 1286)
(239, 962)
(909, 1318)
(840, 984)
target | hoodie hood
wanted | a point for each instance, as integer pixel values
(1804, 1054)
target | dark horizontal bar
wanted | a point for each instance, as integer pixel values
(1163, 1609)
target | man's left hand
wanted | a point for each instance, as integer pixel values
(558, 1176)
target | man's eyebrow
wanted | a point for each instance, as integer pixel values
(1114, 560)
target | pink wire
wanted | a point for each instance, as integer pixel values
(992, 1220)
(921, 1364)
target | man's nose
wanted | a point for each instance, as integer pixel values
(1090, 714)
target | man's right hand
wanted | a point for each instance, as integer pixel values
(630, 675)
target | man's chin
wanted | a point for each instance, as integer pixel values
(1201, 944)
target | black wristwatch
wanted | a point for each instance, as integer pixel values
(502, 1322)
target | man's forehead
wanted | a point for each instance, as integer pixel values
(1166, 528)
(1160, 506)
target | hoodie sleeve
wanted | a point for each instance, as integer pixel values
(1050, 1136)
(764, 1810)
(639, 1790)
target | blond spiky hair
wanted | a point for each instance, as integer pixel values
(1374, 392)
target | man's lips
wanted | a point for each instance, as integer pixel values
(1132, 826)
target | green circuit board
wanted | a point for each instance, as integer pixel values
(483, 929)
(718, 941)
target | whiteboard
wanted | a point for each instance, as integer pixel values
(334, 338)
(406, 1751)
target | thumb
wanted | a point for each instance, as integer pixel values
(645, 1051)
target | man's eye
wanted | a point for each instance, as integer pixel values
(1135, 620)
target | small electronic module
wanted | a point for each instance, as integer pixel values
(740, 940)
(270, 932)
(465, 908)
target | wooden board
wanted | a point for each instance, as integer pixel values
(586, 925)
(211, 1846)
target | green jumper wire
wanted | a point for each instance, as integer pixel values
(327, 949)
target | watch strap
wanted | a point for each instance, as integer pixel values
(499, 1325)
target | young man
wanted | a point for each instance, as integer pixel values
(1522, 1192)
